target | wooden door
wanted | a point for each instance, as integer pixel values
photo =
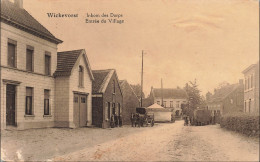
(83, 110)
(10, 104)
(76, 110)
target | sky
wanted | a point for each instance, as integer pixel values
(210, 40)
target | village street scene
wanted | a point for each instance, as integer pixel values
(177, 87)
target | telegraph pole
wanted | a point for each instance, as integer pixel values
(142, 78)
(162, 91)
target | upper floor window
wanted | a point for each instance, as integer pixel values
(81, 77)
(11, 53)
(114, 86)
(47, 63)
(29, 58)
(249, 82)
(252, 81)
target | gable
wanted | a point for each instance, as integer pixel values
(67, 60)
(81, 61)
(103, 80)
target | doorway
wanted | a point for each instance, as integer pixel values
(10, 104)
(80, 110)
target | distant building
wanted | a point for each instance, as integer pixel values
(107, 97)
(228, 98)
(168, 98)
(130, 101)
(251, 88)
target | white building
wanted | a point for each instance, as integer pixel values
(251, 88)
(31, 97)
(169, 98)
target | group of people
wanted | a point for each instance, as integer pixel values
(187, 120)
(115, 121)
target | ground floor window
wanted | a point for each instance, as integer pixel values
(29, 101)
(46, 102)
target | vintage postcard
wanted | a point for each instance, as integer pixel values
(132, 80)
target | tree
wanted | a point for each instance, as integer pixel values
(137, 90)
(194, 98)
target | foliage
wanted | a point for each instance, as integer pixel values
(194, 97)
(244, 123)
(137, 90)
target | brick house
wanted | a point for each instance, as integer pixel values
(168, 98)
(227, 99)
(73, 90)
(28, 61)
(130, 101)
(107, 97)
(251, 88)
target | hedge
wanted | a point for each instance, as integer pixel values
(244, 123)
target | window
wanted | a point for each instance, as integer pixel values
(108, 110)
(249, 105)
(11, 53)
(76, 99)
(29, 58)
(114, 86)
(46, 102)
(178, 104)
(83, 99)
(171, 103)
(245, 83)
(119, 109)
(245, 106)
(158, 102)
(248, 82)
(47, 64)
(29, 101)
(252, 81)
(81, 78)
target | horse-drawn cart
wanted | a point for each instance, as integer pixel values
(142, 118)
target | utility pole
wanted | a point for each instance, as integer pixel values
(162, 91)
(142, 78)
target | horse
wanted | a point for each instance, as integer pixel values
(135, 119)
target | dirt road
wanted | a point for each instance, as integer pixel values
(163, 142)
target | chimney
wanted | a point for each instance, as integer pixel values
(240, 81)
(18, 3)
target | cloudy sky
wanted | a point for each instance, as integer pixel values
(210, 40)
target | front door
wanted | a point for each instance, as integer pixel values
(83, 111)
(80, 110)
(10, 104)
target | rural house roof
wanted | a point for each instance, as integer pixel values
(19, 18)
(123, 88)
(224, 92)
(169, 93)
(102, 78)
(251, 67)
(66, 61)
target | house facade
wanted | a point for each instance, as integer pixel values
(227, 99)
(28, 61)
(251, 88)
(169, 98)
(107, 97)
(73, 90)
(130, 101)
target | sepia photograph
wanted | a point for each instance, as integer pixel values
(132, 80)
